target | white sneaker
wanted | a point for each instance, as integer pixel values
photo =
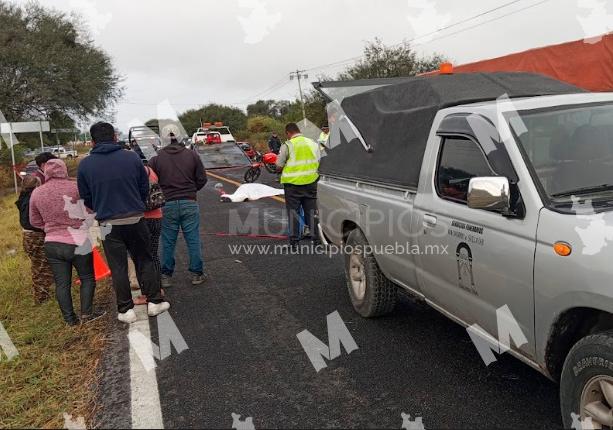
(127, 317)
(154, 309)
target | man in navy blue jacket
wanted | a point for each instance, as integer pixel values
(113, 183)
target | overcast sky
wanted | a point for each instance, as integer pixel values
(193, 52)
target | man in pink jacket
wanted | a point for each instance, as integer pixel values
(63, 234)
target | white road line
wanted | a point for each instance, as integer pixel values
(146, 409)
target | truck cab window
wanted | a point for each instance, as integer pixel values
(459, 161)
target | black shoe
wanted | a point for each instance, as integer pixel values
(92, 317)
(73, 323)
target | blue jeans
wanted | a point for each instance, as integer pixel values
(183, 215)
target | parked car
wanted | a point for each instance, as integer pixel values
(501, 207)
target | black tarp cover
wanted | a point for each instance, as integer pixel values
(396, 119)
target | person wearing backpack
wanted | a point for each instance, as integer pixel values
(153, 218)
(113, 183)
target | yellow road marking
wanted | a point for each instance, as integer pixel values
(238, 184)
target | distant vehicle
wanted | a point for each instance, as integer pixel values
(29, 169)
(223, 131)
(63, 153)
(145, 136)
(31, 153)
(199, 137)
(213, 138)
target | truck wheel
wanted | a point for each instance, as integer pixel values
(586, 385)
(371, 293)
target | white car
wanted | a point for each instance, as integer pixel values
(199, 137)
(62, 152)
(226, 136)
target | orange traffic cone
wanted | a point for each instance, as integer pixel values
(101, 269)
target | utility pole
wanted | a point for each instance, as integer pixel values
(299, 74)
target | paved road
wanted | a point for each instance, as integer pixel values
(244, 356)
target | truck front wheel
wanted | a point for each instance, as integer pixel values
(371, 293)
(586, 385)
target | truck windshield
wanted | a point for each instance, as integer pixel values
(570, 148)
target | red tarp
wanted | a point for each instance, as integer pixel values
(586, 65)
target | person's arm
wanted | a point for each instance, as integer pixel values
(36, 219)
(84, 191)
(282, 157)
(143, 179)
(200, 173)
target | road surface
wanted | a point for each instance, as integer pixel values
(243, 355)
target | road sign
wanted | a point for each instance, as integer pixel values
(24, 127)
(65, 130)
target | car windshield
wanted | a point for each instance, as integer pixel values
(570, 148)
(221, 130)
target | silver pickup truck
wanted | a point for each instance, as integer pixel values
(485, 195)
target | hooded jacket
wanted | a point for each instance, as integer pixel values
(113, 182)
(180, 172)
(54, 206)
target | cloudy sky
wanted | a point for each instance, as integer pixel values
(193, 52)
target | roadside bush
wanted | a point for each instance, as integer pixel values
(6, 178)
(264, 124)
(5, 155)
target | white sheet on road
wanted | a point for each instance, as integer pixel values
(252, 192)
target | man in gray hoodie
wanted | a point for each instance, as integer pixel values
(181, 175)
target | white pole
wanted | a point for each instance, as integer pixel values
(13, 156)
(40, 133)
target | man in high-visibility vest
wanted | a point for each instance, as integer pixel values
(299, 159)
(324, 136)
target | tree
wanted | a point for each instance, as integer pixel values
(273, 108)
(381, 61)
(231, 116)
(49, 64)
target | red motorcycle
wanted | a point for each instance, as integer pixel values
(267, 160)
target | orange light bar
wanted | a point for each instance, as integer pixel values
(446, 69)
(562, 248)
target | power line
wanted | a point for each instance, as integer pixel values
(455, 24)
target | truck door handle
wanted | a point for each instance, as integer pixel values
(429, 221)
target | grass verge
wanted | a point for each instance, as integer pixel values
(56, 369)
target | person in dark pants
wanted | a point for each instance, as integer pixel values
(62, 237)
(181, 175)
(34, 243)
(274, 143)
(113, 183)
(299, 159)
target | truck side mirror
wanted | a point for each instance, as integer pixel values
(490, 193)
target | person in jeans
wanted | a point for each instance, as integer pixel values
(181, 175)
(34, 243)
(113, 184)
(154, 225)
(62, 236)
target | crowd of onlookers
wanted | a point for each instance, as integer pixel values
(135, 205)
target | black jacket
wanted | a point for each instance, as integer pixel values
(23, 204)
(274, 143)
(180, 172)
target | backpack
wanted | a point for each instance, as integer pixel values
(155, 199)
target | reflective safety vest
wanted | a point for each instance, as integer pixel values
(302, 162)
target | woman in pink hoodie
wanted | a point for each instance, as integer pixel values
(55, 208)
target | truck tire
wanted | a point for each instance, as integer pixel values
(371, 293)
(587, 382)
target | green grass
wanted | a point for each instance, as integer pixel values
(57, 366)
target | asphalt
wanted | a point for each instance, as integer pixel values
(244, 356)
